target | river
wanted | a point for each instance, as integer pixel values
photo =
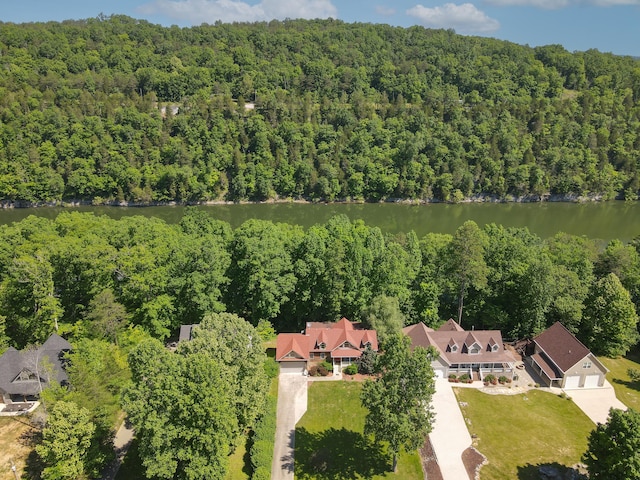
(604, 220)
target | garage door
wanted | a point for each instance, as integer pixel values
(591, 381)
(292, 367)
(572, 381)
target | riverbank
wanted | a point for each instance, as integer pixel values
(5, 204)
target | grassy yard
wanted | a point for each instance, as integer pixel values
(330, 443)
(626, 391)
(14, 445)
(518, 433)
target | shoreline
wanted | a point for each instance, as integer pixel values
(595, 198)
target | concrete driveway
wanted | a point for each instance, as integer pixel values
(292, 404)
(596, 402)
(450, 436)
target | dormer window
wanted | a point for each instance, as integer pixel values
(25, 376)
(474, 349)
(322, 346)
(494, 347)
(454, 348)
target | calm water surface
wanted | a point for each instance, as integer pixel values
(606, 220)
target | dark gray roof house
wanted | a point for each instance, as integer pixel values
(24, 373)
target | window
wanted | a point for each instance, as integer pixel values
(312, 355)
(586, 364)
(454, 348)
(494, 348)
(322, 346)
(322, 355)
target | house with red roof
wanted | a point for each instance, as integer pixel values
(477, 353)
(563, 361)
(340, 343)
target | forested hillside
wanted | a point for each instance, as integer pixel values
(97, 277)
(114, 109)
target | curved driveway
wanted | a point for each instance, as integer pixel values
(292, 405)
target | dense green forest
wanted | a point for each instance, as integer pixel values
(96, 277)
(114, 109)
(117, 289)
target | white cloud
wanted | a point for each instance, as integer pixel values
(465, 18)
(386, 11)
(557, 4)
(209, 11)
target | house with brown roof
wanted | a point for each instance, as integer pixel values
(340, 343)
(563, 361)
(477, 353)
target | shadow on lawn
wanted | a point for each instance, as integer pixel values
(627, 383)
(338, 454)
(535, 472)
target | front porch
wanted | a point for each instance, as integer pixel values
(478, 371)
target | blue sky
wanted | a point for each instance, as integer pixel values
(608, 25)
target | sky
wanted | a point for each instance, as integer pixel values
(578, 25)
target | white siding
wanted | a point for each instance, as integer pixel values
(592, 381)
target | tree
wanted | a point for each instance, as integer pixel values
(181, 408)
(66, 439)
(468, 268)
(106, 316)
(384, 316)
(399, 400)
(237, 347)
(610, 318)
(613, 451)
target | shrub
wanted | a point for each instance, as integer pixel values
(313, 371)
(367, 361)
(326, 365)
(322, 371)
(351, 369)
(271, 368)
(465, 378)
(634, 374)
(489, 378)
(261, 451)
(502, 379)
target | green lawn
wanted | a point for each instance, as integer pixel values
(330, 443)
(627, 392)
(518, 433)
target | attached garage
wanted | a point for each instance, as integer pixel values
(292, 367)
(592, 381)
(572, 381)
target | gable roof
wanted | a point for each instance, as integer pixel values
(450, 326)
(561, 346)
(341, 339)
(443, 340)
(13, 362)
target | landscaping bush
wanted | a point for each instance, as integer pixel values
(465, 378)
(264, 433)
(313, 371)
(326, 365)
(634, 374)
(502, 379)
(489, 379)
(271, 368)
(322, 371)
(453, 378)
(367, 361)
(351, 369)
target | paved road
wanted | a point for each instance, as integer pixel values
(121, 443)
(292, 404)
(450, 436)
(596, 402)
